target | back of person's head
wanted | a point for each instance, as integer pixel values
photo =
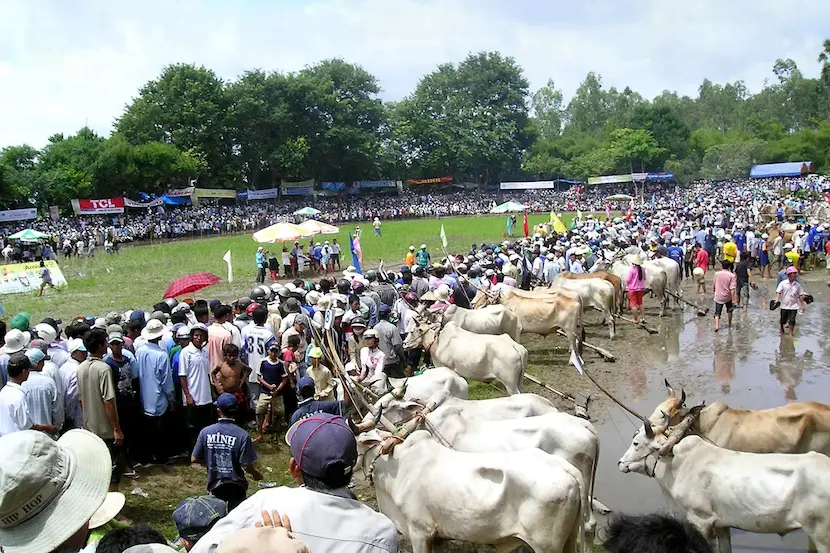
(260, 315)
(726, 264)
(654, 533)
(120, 539)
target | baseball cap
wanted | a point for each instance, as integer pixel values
(323, 446)
(225, 401)
(49, 489)
(195, 516)
(268, 538)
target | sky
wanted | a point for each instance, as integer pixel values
(66, 64)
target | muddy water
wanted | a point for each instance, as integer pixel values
(747, 366)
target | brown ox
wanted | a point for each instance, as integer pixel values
(606, 276)
(542, 312)
(793, 428)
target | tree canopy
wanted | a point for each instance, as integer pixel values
(476, 120)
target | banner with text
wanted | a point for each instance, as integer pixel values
(532, 185)
(152, 203)
(377, 184)
(98, 207)
(26, 277)
(436, 180)
(180, 192)
(215, 193)
(267, 194)
(18, 214)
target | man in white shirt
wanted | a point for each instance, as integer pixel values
(69, 375)
(194, 375)
(323, 512)
(41, 394)
(256, 340)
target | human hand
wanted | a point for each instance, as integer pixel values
(274, 519)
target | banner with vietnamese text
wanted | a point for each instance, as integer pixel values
(98, 207)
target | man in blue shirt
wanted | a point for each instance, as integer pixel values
(156, 386)
(227, 453)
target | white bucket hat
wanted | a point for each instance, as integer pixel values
(49, 489)
(16, 340)
(154, 330)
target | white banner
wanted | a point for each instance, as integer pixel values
(535, 185)
(181, 192)
(267, 194)
(18, 214)
(152, 203)
(26, 277)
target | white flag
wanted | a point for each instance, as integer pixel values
(227, 260)
(443, 237)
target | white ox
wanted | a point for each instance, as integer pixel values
(656, 278)
(481, 357)
(595, 292)
(493, 319)
(431, 492)
(424, 385)
(542, 313)
(554, 432)
(719, 489)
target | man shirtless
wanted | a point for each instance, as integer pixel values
(231, 376)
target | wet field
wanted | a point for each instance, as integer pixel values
(748, 366)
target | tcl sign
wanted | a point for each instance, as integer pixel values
(98, 207)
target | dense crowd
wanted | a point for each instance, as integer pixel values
(83, 235)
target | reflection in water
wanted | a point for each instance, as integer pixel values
(787, 369)
(723, 363)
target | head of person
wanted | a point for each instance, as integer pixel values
(95, 342)
(226, 405)
(792, 273)
(654, 533)
(198, 335)
(371, 338)
(50, 489)
(230, 352)
(323, 452)
(122, 539)
(195, 516)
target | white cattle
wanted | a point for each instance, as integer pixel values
(719, 489)
(424, 385)
(431, 492)
(594, 292)
(493, 319)
(481, 357)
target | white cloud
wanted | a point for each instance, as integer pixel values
(65, 64)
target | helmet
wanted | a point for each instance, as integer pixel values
(358, 287)
(258, 294)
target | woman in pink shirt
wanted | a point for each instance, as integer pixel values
(635, 284)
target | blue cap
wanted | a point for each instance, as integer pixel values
(225, 401)
(323, 446)
(195, 516)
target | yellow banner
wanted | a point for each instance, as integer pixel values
(27, 277)
(214, 193)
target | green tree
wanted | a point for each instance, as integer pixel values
(187, 106)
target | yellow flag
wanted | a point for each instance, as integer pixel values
(557, 225)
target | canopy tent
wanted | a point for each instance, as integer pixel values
(318, 227)
(619, 198)
(509, 207)
(788, 169)
(307, 211)
(29, 235)
(280, 232)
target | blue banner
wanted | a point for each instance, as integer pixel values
(333, 186)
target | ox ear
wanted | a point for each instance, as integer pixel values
(669, 389)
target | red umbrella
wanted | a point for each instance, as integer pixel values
(190, 283)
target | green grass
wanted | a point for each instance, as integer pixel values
(139, 275)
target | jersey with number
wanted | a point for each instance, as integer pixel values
(256, 340)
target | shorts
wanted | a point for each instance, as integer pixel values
(635, 297)
(719, 308)
(263, 404)
(788, 317)
(118, 461)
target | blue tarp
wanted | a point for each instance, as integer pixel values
(788, 169)
(183, 200)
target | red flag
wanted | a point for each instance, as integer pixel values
(526, 229)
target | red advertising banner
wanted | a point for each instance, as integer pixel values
(98, 207)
